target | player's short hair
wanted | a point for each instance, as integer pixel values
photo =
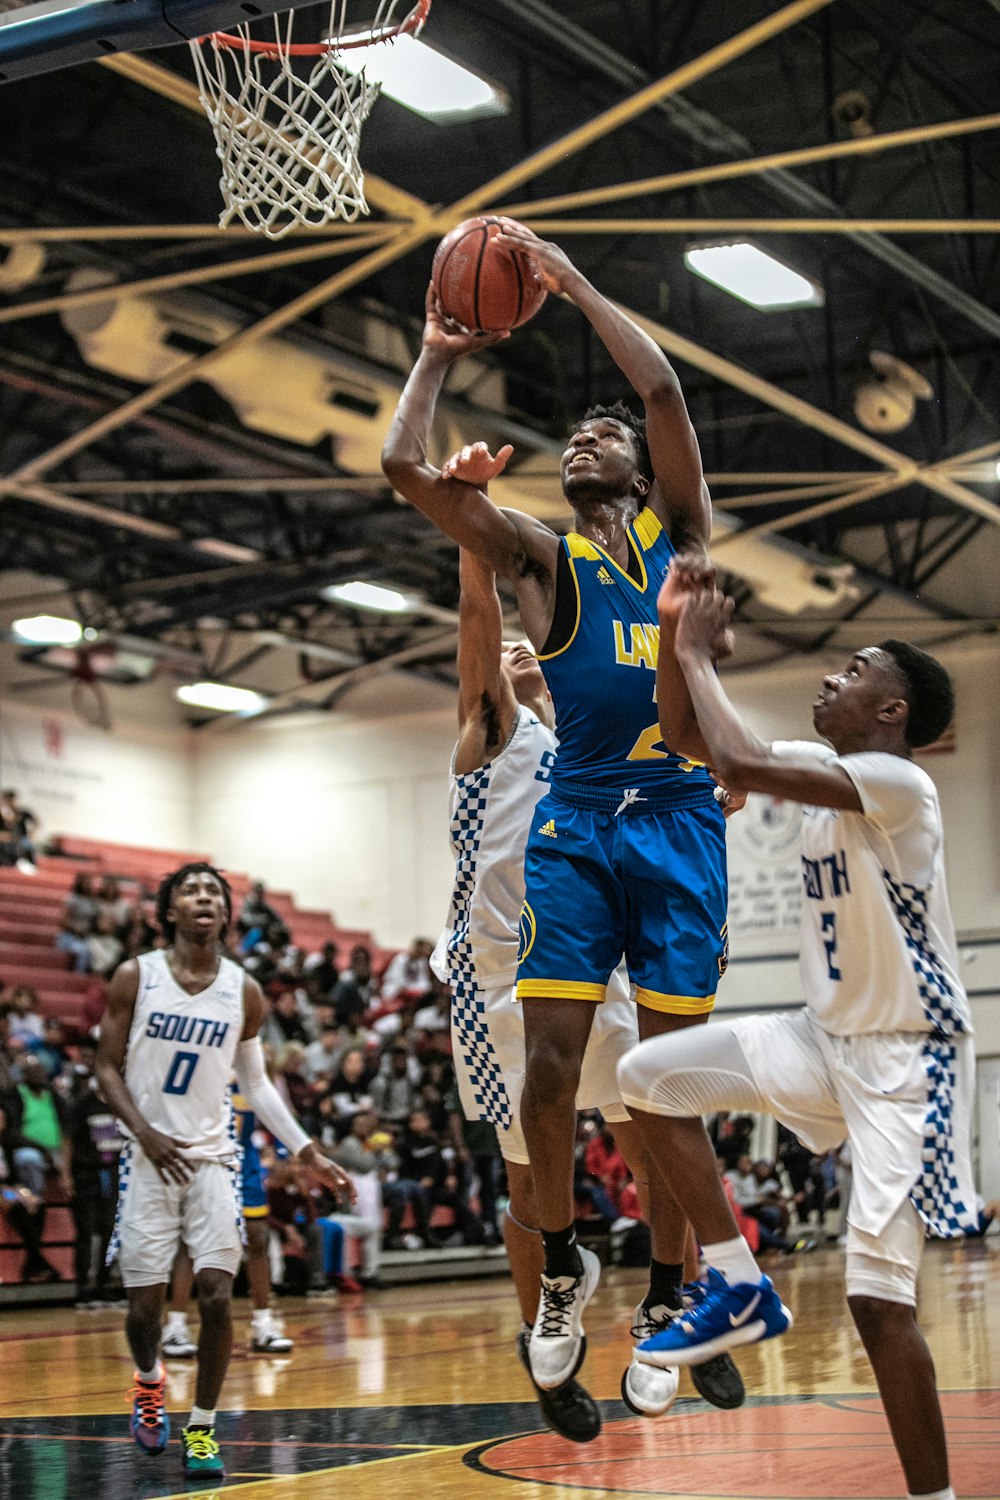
(637, 426)
(169, 884)
(928, 691)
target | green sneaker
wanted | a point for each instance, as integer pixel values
(202, 1459)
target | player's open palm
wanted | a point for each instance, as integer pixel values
(475, 464)
(327, 1172)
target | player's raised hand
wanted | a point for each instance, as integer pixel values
(687, 573)
(451, 338)
(703, 624)
(551, 265)
(327, 1172)
(165, 1154)
(475, 464)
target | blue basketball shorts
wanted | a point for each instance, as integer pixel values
(645, 879)
(254, 1190)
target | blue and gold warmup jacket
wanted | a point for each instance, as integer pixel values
(603, 678)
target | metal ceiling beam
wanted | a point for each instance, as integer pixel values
(905, 469)
(229, 270)
(712, 134)
(545, 226)
(424, 221)
(727, 171)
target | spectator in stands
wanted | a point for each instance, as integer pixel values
(255, 913)
(429, 1178)
(292, 1217)
(24, 1211)
(731, 1134)
(356, 987)
(138, 934)
(350, 1089)
(111, 903)
(433, 1020)
(481, 1151)
(36, 1123)
(395, 1089)
(77, 922)
(95, 1144)
(8, 1077)
(587, 1188)
(362, 1222)
(285, 1022)
(408, 975)
(323, 1056)
(397, 1024)
(26, 1025)
(293, 1085)
(603, 1161)
(322, 967)
(17, 828)
(805, 1173)
(50, 1049)
(104, 946)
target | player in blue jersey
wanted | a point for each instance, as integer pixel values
(627, 851)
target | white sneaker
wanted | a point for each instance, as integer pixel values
(270, 1341)
(26, 867)
(558, 1344)
(176, 1345)
(649, 1397)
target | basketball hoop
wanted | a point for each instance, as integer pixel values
(287, 117)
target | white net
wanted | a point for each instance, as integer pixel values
(287, 122)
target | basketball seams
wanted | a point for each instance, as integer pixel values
(482, 291)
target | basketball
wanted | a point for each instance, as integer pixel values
(481, 286)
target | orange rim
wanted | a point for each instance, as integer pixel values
(409, 24)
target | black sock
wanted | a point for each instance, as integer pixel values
(562, 1258)
(664, 1285)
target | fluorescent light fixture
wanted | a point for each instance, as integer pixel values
(48, 630)
(997, 471)
(222, 697)
(425, 80)
(369, 596)
(754, 276)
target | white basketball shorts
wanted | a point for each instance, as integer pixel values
(156, 1217)
(487, 1030)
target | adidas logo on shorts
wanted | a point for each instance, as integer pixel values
(549, 829)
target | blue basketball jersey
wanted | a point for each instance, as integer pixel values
(603, 680)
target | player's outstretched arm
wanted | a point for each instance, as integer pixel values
(267, 1104)
(163, 1151)
(511, 544)
(742, 761)
(680, 497)
(679, 728)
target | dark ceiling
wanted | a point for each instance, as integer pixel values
(171, 517)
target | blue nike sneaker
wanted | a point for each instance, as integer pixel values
(726, 1317)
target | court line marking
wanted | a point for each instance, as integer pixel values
(311, 1474)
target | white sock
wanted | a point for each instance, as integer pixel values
(176, 1323)
(734, 1260)
(260, 1319)
(150, 1377)
(948, 1494)
(201, 1418)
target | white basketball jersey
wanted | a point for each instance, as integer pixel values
(491, 810)
(878, 949)
(181, 1050)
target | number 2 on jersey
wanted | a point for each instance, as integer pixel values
(178, 1079)
(828, 921)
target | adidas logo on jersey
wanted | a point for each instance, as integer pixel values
(603, 576)
(549, 829)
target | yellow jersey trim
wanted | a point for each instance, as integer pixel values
(259, 1212)
(560, 989)
(675, 1005)
(576, 547)
(647, 527)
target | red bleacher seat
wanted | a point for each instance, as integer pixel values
(13, 930)
(32, 956)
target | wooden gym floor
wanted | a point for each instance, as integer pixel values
(416, 1392)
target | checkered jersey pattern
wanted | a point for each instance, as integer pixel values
(936, 1194)
(468, 1008)
(124, 1173)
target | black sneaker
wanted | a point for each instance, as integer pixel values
(569, 1409)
